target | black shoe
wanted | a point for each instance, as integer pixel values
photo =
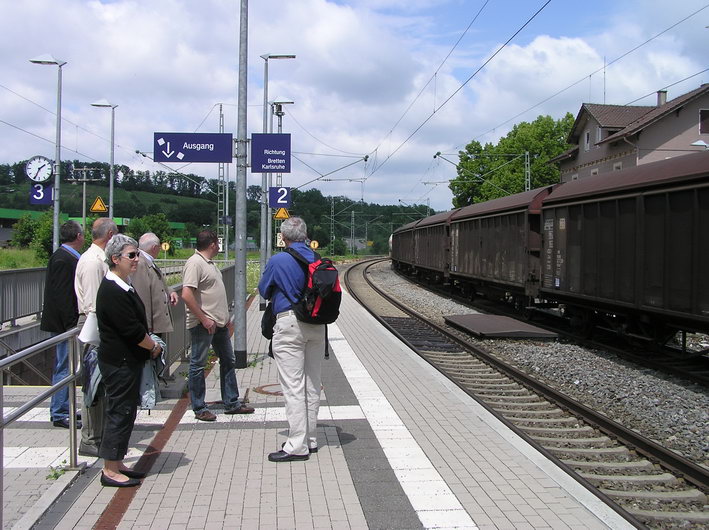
(130, 473)
(105, 481)
(64, 423)
(243, 409)
(282, 456)
(88, 450)
(311, 450)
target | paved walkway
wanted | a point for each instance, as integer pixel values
(399, 447)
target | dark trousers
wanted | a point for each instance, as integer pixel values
(122, 398)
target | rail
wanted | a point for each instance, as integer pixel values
(21, 294)
(21, 357)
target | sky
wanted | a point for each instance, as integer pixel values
(396, 80)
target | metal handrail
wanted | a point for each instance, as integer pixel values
(20, 411)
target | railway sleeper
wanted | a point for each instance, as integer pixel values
(667, 480)
(687, 496)
(618, 453)
(522, 415)
(492, 380)
(600, 441)
(579, 430)
(608, 468)
(506, 385)
(518, 405)
(471, 369)
(569, 420)
(531, 400)
(682, 518)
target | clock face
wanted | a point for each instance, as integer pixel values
(38, 169)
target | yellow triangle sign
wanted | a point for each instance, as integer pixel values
(281, 214)
(99, 206)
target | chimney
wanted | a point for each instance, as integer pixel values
(661, 97)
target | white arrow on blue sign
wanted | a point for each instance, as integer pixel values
(193, 147)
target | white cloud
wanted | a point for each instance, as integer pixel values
(359, 64)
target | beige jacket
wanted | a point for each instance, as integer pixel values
(149, 283)
(90, 270)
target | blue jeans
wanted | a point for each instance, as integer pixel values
(59, 407)
(221, 342)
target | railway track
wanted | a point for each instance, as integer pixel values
(649, 485)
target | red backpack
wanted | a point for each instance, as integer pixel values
(320, 300)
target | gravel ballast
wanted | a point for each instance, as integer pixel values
(673, 412)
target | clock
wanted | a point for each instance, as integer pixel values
(38, 169)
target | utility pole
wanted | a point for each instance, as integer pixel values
(332, 224)
(222, 228)
(240, 213)
(352, 234)
(84, 180)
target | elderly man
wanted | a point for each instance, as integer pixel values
(297, 346)
(90, 271)
(210, 324)
(149, 283)
(60, 311)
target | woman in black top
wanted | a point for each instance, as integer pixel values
(124, 348)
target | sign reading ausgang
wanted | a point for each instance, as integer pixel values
(192, 147)
(270, 153)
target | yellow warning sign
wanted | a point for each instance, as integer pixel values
(281, 214)
(314, 244)
(99, 206)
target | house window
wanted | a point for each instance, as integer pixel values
(704, 121)
(587, 141)
(575, 176)
(617, 166)
(594, 171)
(599, 134)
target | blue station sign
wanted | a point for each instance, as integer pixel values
(270, 153)
(279, 197)
(42, 193)
(193, 147)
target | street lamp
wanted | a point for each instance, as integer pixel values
(111, 177)
(265, 245)
(48, 59)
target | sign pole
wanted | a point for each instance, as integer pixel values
(240, 212)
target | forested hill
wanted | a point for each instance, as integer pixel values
(192, 199)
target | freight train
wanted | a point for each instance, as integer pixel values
(626, 250)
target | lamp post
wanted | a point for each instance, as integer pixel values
(264, 251)
(111, 177)
(48, 59)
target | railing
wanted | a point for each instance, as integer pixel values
(23, 356)
(21, 293)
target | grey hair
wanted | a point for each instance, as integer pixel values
(294, 229)
(115, 247)
(148, 240)
(102, 226)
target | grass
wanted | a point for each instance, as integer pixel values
(22, 258)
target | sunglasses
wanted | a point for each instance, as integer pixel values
(131, 255)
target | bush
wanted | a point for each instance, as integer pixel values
(43, 236)
(24, 230)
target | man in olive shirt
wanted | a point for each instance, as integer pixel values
(209, 324)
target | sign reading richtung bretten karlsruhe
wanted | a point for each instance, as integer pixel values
(193, 147)
(270, 153)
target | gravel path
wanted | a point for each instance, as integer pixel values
(672, 412)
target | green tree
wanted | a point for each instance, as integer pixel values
(23, 231)
(492, 171)
(43, 236)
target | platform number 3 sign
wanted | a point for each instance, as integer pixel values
(279, 197)
(41, 193)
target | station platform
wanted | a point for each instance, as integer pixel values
(400, 447)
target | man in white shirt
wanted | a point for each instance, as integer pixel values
(90, 270)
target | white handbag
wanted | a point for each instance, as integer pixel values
(89, 331)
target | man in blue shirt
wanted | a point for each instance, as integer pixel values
(60, 312)
(297, 346)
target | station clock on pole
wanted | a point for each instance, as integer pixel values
(38, 169)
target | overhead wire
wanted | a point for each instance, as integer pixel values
(503, 46)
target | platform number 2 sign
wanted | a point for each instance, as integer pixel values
(279, 197)
(41, 193)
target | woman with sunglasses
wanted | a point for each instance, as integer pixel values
(124, 348)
